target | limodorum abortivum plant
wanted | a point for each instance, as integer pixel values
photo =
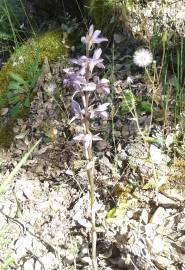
(85, 85)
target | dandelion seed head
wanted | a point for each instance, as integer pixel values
(142, 57)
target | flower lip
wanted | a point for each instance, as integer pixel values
(88, 62)
(87, 139)
(143, 57)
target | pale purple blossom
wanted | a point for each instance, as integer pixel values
(74, 79)
(87, 139)
(76, 108)
(82, 80)
(102, 86)
(89, 87)
(87, 63)
(100, 111)
(78, 82)
(92, 37)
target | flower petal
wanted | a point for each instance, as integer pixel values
(89, 87)
(76, 107)
(83, 40)
(100, 40)
(88, 140)
(91, 30)
(96, 138)
(96, 34)
(80, 137)
(102, 107)
(97, 53)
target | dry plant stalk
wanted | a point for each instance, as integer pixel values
(84, 84)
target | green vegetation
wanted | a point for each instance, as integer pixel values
(24, 65)
(15, 24)
(18, 77)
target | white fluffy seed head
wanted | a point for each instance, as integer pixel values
(142, 57)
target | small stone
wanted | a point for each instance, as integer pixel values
(144, 216)
(3, 222)
(84, 251)
(117, 133)
(3, 111)
(158, 216)
(22, 245)
(21, 145)
(29, 265)
(50, 261)
(20, 195)
(122, 155)
(121, 263)
(165, 201)
(129, 214)
(169, 140)
(31, 189)
(156, 155)
(157, 245)
(163, 262)
(101, 145)
(174, 194)
(21, 136)
(150, 230)
(84, 222)
(16, 129)
(69, 259)
(86, 259)
(125, 132)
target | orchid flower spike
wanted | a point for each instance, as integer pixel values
(92, 37)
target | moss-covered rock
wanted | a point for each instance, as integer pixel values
(51, 44)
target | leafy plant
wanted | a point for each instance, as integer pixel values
(20, 91)
(129, 101)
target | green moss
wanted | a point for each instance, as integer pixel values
(50, 44)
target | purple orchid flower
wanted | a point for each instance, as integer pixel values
(92, 37)
(77, 81)
(89, 87)
(87, 139)
(89, 63)
(102, 86)
(76, 108)
(100, 111)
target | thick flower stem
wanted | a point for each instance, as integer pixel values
(90, 174)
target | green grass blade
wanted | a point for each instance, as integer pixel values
(9, 178)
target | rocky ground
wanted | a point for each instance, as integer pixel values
(45, 216)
